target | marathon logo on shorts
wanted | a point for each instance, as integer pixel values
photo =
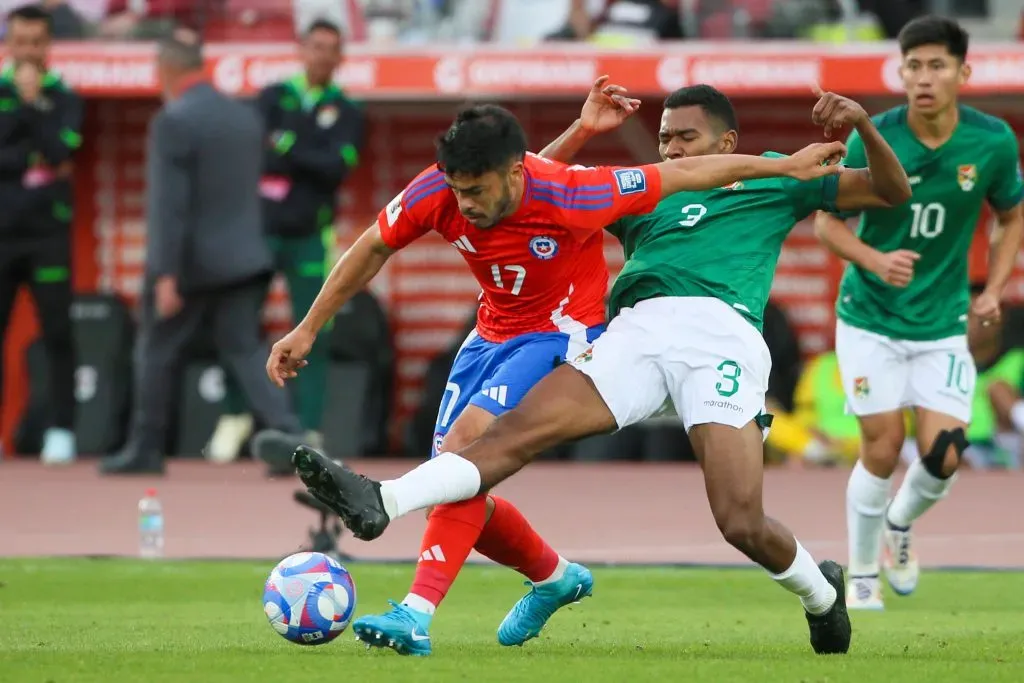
(543, 247)
(710, 403)
(630, 180)
(860, 387)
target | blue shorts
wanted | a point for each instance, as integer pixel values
(497, 376)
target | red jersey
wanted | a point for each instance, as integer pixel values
(542, 269)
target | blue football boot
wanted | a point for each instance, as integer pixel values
(403, 629)
(528, 616)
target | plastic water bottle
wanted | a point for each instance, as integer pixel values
(151, 526)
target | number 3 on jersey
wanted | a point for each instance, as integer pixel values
(517, 272)
(691, 214)
(929, 220)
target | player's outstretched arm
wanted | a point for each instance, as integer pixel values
(717, 170)
(883, 183)
(353, 271)
(895, 267)
(606, 108)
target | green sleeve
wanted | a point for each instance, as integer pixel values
(1009, 368)
(1007, 189)
(621, 228)
(855, 158)
(807, 196)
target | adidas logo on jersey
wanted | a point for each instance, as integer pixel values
(463, 244)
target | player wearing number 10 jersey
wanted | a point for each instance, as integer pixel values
(531, 231)
(903, 304)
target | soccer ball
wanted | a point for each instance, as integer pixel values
(309, 598)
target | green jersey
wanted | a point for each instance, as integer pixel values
(979, 163)
(721, 243)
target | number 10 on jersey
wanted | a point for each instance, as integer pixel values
(928, 221)
(500, 274)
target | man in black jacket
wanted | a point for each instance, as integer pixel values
(40, 130)
(206, 264)
(314, 133)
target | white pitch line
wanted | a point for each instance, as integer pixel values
(661, 550)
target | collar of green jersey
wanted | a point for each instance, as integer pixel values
(312, 95)
(50, 78)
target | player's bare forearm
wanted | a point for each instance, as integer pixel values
(889, 183)
(714, 170)
(707, 172)
(350, 275)
(566, 146)
(1005, 245)
(835, 234)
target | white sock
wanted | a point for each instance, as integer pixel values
(804, 578)
(556, 575)
(448, 478)
(817, 452)
(1017, 416)
(866, 496)
(1010, 443)
(918, 492)
(420, 604)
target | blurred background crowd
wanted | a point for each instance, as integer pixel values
(522, 22)
(380, 374)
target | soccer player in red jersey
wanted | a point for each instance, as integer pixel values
(531, 231)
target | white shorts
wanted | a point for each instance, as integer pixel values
(881, 375)
(695, 356)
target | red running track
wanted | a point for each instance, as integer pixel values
(642, 513)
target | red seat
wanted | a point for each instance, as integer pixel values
(251, 21)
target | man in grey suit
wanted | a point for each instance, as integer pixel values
(207, 263)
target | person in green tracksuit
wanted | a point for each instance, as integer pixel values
(314, 134)
(40, 135)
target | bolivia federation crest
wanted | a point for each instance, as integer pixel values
(860, 387)
(967, 176)
(585, 357)
(327, 116)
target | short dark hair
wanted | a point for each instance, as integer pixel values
(323, 25)
(32, 13)
(482, 138)
(183, 51)
(712, 100)
(934, 30)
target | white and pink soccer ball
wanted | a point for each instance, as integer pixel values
(309, 598)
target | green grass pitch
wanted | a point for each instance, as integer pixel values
(114, 621)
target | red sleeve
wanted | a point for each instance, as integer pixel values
(406, 217)
(597, 197)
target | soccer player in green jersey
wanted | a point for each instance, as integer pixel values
(903, 305)
(686, 312)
